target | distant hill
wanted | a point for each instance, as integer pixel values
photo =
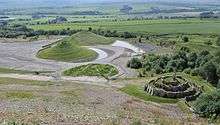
(60, 3)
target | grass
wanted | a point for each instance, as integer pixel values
(19, 95)
(67, 50)
(9, 70)
(88, 39)
(92, 70)
(137, 91)
(163, 26)
(71, 49)
(200, 82)
(5, 81)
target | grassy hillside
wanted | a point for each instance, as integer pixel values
(67, 50)
(88, 39)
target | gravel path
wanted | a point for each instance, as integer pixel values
(22, 56)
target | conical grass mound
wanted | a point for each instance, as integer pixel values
(67, 50)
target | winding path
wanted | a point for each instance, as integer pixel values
(22, 56)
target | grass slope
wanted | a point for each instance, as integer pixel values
(68, 50)
(88, 39)
(92, 70)
(138, 91)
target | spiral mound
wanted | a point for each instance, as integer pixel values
(175, 87)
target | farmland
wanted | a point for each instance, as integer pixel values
(187, 26)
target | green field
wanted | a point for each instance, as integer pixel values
(92, 70)
(165, 26)
(196, 43)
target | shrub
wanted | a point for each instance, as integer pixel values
(158, 69)
(135, 63)
(208, 42)
(185, 39)
(209, 72)
(194, 72)
(218, 41)
(186, 49)
(187, 71)
(208, 105)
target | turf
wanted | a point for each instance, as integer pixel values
(92, 70)
(88, 39)
(137, 91)
(19, 95)
(7, 70)
(7, 81)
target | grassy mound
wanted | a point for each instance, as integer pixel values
(88, 39)
(103, 70)
(67, 50)
(70, 49)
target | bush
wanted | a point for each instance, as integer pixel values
(187, 71)
(218, 41)
(158, 69)
(208, 42)
(208, 105)
(134, 63)
(209, 72)
(185, 39)
(194, 72)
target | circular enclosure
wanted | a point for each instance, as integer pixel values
(175, 87)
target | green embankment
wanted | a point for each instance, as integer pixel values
(92, 70)
(71, 48)
(138, 91)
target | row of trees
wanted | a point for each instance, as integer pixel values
(15, 31)
(114, 33)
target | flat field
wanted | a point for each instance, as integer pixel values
(164, 26)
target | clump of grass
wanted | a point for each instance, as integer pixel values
(92, 70)
(19, 95)
(138, 91)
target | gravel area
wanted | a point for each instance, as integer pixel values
(79, 104)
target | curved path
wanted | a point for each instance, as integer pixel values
(22, 56)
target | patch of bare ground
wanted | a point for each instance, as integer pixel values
(82, 104)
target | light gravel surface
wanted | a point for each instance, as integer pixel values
(78, 104)
(23, 56)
